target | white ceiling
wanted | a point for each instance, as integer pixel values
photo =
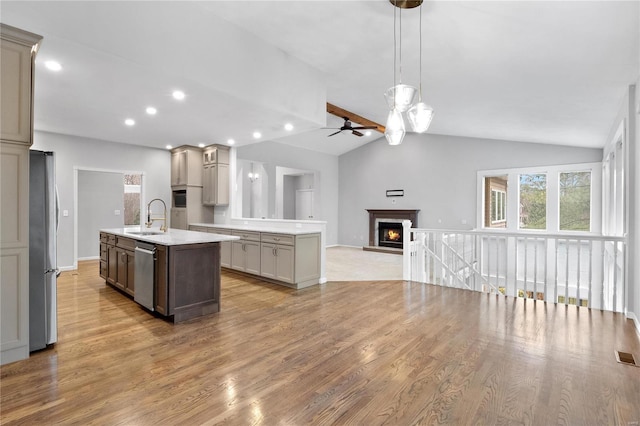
(535, 71)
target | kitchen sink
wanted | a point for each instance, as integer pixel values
(145, 233)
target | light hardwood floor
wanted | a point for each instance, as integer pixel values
(363, 353)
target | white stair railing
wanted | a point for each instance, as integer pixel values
(584, 270)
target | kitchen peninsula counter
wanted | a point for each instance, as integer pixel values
(282, 253)
(184, 279)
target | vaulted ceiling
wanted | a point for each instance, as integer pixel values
(534, 71)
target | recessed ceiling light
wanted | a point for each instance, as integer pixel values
(230, 142)
(200, 145)
(178, 94)
(168, 147)
(257, 135)
(129, 122)
(288, 127)
(367, 133)
(151, 110)
(53, 65)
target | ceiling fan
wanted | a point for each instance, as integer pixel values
(347, 127)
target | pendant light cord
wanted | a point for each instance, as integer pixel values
(420, 68)
(400, 45)
(395, 44)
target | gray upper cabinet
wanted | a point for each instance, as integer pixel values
(215, 175)
(186, 166)
(18, 51)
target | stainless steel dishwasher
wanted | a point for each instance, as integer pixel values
(144, 274)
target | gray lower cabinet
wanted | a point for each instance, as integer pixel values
(245, 253)
(288, 259)
(277, 262)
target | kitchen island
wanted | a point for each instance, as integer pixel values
(183, 276)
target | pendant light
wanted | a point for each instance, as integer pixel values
(400, 97)
(394, 130)
(421, 114)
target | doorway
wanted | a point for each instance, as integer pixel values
(103, 199)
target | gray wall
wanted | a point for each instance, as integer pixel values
(326, 190)
(83, 153)
(99, 195)
(437, 174)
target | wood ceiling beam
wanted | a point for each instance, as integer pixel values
(339, 112)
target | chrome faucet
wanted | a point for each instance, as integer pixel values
(150, 220)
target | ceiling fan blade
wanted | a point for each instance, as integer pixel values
(335, 133)
(365, 127)
(357, 133)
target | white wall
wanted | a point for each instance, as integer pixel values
(437, 174)
(74, 152)
(100, 194)
(274, 154)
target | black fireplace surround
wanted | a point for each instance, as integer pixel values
(390, 234)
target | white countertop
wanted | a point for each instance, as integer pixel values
(172, 237)
(272, 230)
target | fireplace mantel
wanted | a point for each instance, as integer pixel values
(374, 214)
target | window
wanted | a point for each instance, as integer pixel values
(533, 201)
(132, 185)
(498, 206)
(495, 202)
(561, 198)
(575, 201)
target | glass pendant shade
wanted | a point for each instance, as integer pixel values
(401, 97)
(420, 116)
(394, 131)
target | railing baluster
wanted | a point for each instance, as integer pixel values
(515, 269)
(546, 269)
(566, 280)
(535, 269)
(578, 301)
(614, 304)
(589, 295)
(526, 263)
(555, 285)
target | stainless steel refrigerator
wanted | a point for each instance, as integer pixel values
(43, 223)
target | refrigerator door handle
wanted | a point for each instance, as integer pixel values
(57, 210)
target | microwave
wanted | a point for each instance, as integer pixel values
(180, 198)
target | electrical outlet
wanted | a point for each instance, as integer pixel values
(65, 213)
(116, 212)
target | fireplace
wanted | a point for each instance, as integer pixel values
(390, 234)
(391, 220)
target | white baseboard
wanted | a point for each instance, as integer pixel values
(345, 245)
(636, 322)
(67, 268)
(80, 259)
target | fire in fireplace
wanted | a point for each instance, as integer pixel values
(390, 234)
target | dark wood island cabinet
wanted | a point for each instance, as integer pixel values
(186, 282)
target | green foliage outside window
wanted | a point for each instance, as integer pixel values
(533, 201)
(575, 201)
